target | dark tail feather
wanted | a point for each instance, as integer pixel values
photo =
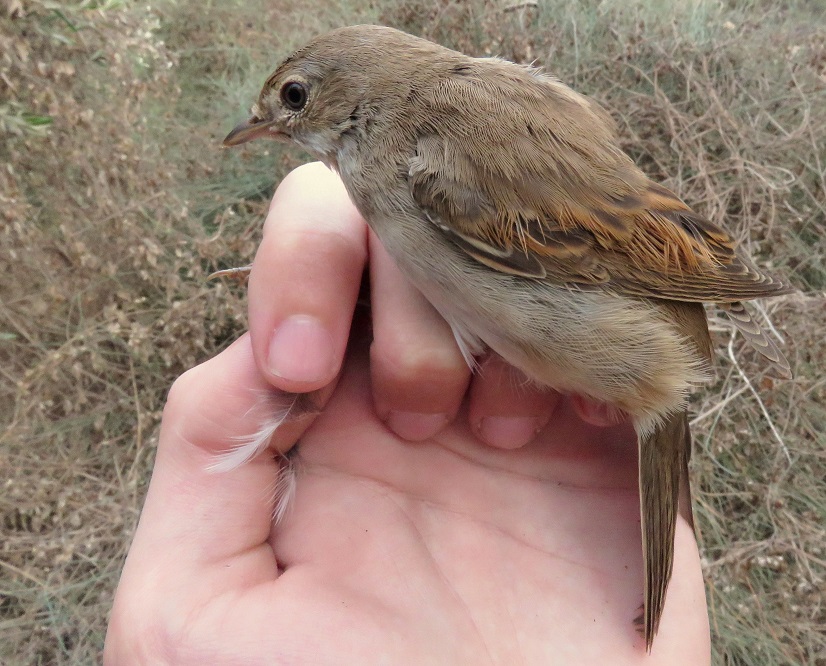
(663, 472)
(755, 336)
(685, 508)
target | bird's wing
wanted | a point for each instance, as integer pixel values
(533, 183)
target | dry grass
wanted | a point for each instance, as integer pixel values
(115, 203)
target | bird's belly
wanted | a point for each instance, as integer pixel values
(614, 348)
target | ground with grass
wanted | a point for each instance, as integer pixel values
(115, 203)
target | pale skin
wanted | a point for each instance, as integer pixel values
(430, 525)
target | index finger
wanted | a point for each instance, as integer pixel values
(314, 249)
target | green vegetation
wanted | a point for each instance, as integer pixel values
(116, 201)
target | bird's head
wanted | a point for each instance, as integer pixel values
(327, 90)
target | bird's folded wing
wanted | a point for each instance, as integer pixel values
(544, 192)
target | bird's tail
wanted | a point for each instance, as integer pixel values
(663, 463)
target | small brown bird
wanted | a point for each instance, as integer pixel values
(504, 197)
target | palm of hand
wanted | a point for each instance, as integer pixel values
(445, 551)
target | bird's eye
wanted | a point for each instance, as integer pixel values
(294, 95)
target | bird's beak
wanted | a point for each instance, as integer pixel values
(254, 128)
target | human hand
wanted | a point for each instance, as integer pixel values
(442, 551)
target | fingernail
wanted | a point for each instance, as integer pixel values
(301, 350)
(415, 426)
(508, 432)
